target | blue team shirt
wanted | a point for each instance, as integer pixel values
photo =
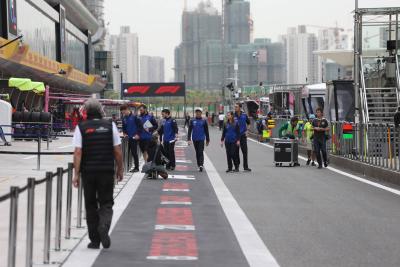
(242, 120)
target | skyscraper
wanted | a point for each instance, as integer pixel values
(127, 54)
(151, 69)
(200, 58)
(238, 22)
(201, 35)
(125, 49)
(301, 62)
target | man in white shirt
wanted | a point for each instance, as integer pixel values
(221, 118)
(97, 149)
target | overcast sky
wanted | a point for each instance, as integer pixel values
(158, 22)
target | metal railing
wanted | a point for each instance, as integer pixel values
(59, 176)
(38, 136)
(30, 188)
(363, 94)
(398, 79)
(374, 144)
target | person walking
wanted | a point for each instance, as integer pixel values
(198, 134)
(149, 126)
(221, 118)
(243, 120)
(321, 127)
(308, 134)
(290, 129)
(97, 148)
(187, 120)
(168, 131)
(3, 137)
(231, 138)
(131, 128)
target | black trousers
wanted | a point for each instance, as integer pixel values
(2, 136)
(220, 125)
(199, 148)
(232, 155)
(320, 147)
(98, 191)
(243, 147)
(170, 152)
(133, 147)
(186, 124)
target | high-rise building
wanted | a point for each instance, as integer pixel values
(301, 62)
(238, 22)
(202, 59)
(125, 47)
(333, 38)
(152, 69)
(201, 33)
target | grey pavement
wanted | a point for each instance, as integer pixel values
(132, 235)
(306, 217)
(14, 171)
(309, 217)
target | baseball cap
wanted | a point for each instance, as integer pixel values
(198, 109)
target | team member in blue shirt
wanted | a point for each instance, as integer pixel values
(169, 131)
(132, 127)
(198, 133)
(243, 121)
(149, 126)
(231, 138)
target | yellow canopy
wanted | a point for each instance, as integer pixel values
(38, 87)
(20, 83)
(27, 85)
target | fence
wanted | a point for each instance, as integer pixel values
(374, 144)
(61, 176)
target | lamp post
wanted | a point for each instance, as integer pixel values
(117, 67)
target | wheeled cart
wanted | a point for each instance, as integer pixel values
(286, 151)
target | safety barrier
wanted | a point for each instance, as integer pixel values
(30, 187)
(374, 144)
(60, 215)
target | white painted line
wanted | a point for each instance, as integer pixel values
(30, 157)
(174, 258)
(181, 177)
(175, 190)
(349, 175)
(177, 227)
(176, 203)
(254, 249)
(84, 257)
(183, 161)
(61, 147)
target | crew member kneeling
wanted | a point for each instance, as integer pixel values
(97, 146)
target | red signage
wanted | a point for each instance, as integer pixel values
(138, 89)
(153, 89)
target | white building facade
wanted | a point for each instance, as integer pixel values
(125, 49)
(301, 62)
(152, 69)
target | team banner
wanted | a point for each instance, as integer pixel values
(153, 89)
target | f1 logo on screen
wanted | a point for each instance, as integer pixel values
(154, 89)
